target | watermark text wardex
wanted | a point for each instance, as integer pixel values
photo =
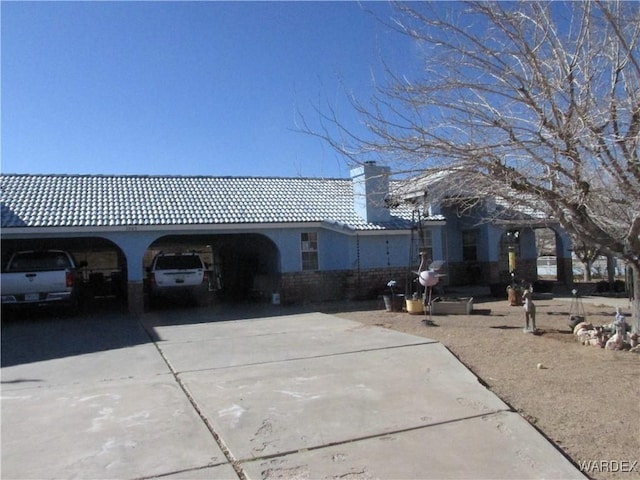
(596, 466)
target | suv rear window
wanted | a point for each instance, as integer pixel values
(178, 262)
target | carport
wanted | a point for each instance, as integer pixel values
(104, 277)
(242, 266)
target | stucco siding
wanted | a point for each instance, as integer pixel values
(383, 251)
(335, 250)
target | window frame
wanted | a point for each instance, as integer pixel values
(426, 243)
(309, 251)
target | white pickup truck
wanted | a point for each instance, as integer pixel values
(40, 277)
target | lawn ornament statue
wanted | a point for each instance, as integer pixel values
(529, 311)
(619, 338)
(429, 278)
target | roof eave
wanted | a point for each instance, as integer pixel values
(16, 232)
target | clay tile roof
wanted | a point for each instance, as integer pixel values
(103, 200)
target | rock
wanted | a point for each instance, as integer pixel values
(585, 325)
(616, 342)
(594, 342)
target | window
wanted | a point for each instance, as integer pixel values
(178, 262)
(426, 243)
(39, 261)
(309, 248)
(470, 245)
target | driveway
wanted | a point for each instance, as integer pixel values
(255, 392)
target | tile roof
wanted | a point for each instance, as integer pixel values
(103, 200)
(439, 184)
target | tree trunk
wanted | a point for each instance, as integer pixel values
(635, 297)
(586, 275)
(611, 272)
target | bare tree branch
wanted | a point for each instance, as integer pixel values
(537, 102)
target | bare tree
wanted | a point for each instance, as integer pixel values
(587, 256)
(536, 102)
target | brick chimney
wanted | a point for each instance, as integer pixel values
(370, 190)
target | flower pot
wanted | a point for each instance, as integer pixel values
(514, 296)
(415, 307)
(388, 303)
(393, 303)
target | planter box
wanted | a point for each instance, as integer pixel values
(462, 306)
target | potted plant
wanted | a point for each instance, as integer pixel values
(415, 304)
(392, 301)
(514, 295)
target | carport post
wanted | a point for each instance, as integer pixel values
(134, 244)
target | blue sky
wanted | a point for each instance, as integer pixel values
(184, 88)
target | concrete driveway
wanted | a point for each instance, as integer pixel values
(207, 394)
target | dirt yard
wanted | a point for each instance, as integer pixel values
(586, 400)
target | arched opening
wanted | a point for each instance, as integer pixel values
(241, 267)
(509, 265)
(518, 255)
(546, 247)
(105, 275)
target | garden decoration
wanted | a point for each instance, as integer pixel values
(429, 278)
(576, 310)
(529, 311)
(613, 336)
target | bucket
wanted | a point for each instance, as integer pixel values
(275, 299)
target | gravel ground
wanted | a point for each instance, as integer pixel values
(586, 400)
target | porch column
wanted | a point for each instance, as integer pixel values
(134, 245)
(135, 297)
(135, 280)
(564, 264)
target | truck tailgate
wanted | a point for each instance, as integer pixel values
(34, 282)
(165, 278)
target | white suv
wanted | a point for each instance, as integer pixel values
(177, 274)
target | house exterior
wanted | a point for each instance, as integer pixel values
(486, 240)
(303, 239)
(298, 239)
